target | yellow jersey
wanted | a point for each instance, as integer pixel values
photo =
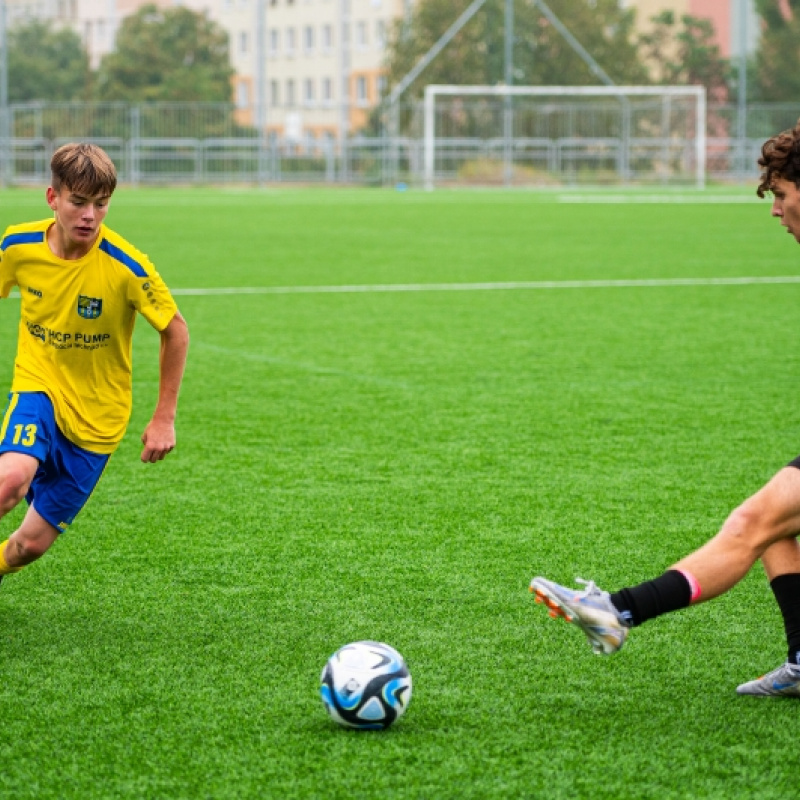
(76, 327)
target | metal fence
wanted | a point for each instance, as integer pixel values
(192, 143)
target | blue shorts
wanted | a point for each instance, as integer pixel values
(67, 473)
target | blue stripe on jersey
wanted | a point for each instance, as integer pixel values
(33, 237)
(120, 255)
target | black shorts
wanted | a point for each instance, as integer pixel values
(794, 463)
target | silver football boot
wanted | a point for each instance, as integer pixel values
(781, 682)
(590, 609)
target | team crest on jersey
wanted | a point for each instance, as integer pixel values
(90, 307)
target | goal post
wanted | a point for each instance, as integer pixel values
(647, 134)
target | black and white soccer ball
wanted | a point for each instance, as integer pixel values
(366, 685)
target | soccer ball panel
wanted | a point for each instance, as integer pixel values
(366, 685)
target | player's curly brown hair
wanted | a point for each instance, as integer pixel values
(780, 158)
(83, 168)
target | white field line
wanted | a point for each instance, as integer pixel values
(219, 291)
(484, 287)
(635, 199)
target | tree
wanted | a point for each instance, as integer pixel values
(777, 63)
(541, 54)
(167, 54)
(683, 53)
(46, 64)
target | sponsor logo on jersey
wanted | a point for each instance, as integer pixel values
(65, 340)
(37, 331)
(90, 307)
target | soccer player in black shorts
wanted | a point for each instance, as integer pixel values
(766, 526)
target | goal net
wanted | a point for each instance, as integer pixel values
(564, 135)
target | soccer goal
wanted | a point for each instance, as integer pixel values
(564, 135)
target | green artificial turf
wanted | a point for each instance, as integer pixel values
(398, 466)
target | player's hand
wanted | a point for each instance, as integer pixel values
(158, 440)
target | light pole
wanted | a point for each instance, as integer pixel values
(741, 99)
(508, 112)
(261, 86)
(344, 82)
(5, 122)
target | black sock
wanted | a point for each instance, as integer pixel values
(669, 592)
(786, 589)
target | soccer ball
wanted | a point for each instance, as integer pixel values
(366, 685)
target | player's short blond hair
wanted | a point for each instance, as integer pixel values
(780, 158)
(83, 168)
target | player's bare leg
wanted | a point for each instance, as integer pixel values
(770, 518)
(30, 541)
(764, 526)
(17, 470)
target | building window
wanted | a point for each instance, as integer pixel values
(274, 42)
(308, 39)
(381, 86)
(327, 38)
(308, 91)
(361, 90)
(380, 34)
(291, 41)
(290, 93)
(361, 35)
(274, 94)
(243, 42)
(242, 95)
(327, 90)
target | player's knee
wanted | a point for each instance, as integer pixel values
(750, 527)
(14, 484)
(30, 548)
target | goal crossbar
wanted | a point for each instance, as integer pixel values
(432, 91)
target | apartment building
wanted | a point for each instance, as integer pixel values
(324, 62)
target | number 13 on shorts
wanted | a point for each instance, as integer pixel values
(20, 428)
(24, 435)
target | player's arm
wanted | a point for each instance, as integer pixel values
(159, 435)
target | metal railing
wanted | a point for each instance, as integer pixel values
(202, 144)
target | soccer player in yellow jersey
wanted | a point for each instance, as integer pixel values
(81, 287)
